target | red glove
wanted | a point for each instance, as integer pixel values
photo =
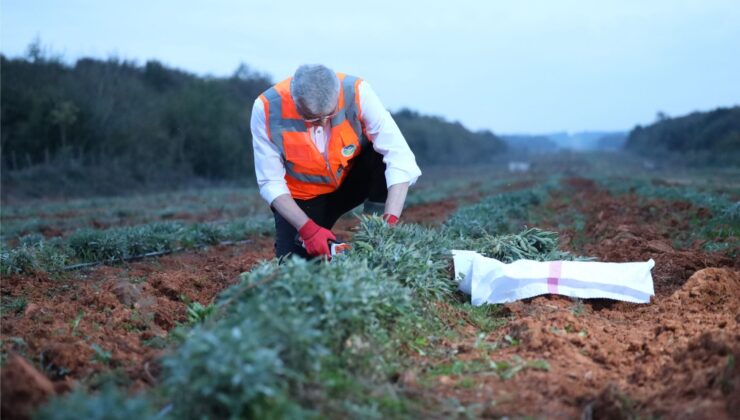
(390, 219)
(316, 239)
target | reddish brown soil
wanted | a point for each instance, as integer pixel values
(672, 358)
(22, 387)
(676, 357)
(94, 219)
(631, 228)
(215, 215)
(516, 186)
(430, 214)
(117, 308)
(120, 309)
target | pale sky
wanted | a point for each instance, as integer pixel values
(509, 66)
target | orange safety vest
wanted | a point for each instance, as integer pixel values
(307, 172)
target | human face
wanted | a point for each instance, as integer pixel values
(321, 119)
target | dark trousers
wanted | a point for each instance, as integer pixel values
(365, 181)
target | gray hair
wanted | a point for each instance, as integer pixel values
(315, 90)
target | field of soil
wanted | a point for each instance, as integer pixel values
(127, 310)
(673, 358)
(676, 357)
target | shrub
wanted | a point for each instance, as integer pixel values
(302, 339)
(412, 255)
(110, 245)
(108, 404)
(530, 244)
(197, 312)
(265, 344)
(502, 213)
(17, 260)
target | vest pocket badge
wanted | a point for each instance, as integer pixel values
(348, 151)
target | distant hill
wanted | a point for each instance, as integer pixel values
(588, 140)
(528, 143)
(579, 141)
(612, 142)
(437, 141)
(700, 137)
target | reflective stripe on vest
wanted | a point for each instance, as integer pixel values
(278, 125)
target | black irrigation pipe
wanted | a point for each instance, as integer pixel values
(150, 254)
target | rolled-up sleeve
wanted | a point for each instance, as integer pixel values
(268, 163)
(387, 139)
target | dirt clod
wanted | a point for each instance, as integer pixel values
(23, 388)
(125, 292)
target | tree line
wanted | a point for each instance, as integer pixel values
(149, 118)
(135, 124)
(701, 137)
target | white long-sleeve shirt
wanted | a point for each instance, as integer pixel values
(380, 127)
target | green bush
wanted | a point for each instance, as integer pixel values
(412, 255)
(720, 233)
(502, 213)
(530, 244)
(732, 212)
(197, 312)
(31, 239)
(269, 335)
(51, 255)
(108, 404)
(109, 245)
(17, 260)
(305, 339)
(91, 245)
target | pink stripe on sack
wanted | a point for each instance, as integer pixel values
(554, 277)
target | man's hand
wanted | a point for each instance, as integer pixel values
(316, 239)
(390, 219)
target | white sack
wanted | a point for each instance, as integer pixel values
(488, 280)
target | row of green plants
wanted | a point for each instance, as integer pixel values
(500, 213)
(36, 217)
(20, 230)
(468, 188)
(720, 232)
(116, 244)
(87, 245)
(32, 218)
(300, 339)
(211, 196)
(718, 202)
